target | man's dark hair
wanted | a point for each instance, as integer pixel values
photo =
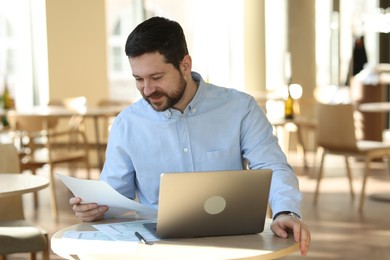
(158, 34)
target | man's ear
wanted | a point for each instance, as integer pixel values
(186, 65)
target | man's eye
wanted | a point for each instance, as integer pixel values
(156, 77)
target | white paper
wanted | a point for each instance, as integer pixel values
(87, 235)
(125, 231)
(100, 192)
(92, 241)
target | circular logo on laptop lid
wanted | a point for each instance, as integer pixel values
(214, 205)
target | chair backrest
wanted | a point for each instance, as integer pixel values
(27, 123)
(112, 102)
(9, 159)
(74, 103)
(36, 128)
(78, 103)
(11, 208)
(336, 127)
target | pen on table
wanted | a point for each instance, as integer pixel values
(142, 239)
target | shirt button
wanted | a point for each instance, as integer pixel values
(185, 149)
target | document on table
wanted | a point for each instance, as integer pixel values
(125, 231)
(114, 237)
(87, 235)
(100, 192)
(97, 241)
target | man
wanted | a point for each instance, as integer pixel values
(184, 124)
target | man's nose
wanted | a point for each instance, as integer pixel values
(148, 88)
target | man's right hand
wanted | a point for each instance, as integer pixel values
(87, 212)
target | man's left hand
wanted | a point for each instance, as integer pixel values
(285, 223)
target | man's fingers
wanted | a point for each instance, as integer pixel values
(305, 240)
(280, 232)
(301, 233)
(75, 200)
(297, 227)
(89, 212)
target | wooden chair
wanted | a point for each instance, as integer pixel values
(67, 146)
(107, 121)
(336, 135)
(72, 103)
(16, 234)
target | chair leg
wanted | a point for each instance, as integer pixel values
(388, 163)
(33, 256)
(88, 174)
(35, 194)
(88, 168)
(72, 170)
(349, 175)
(366, 172)
(36, 200)
(53, 197)
(46, 250)
(319, 177)
(301, 146)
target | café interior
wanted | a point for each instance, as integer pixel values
(65, 58)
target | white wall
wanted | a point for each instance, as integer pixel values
(214, 36)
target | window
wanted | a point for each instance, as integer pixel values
(122, 17)
(16, 50)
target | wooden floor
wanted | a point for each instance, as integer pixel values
(338, 230)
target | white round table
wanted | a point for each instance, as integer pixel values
(15, 183)
(265, 245)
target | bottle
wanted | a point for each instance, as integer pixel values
(7, 97)
(7, 104)
(289, 106)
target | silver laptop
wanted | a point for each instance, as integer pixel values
(198, 204)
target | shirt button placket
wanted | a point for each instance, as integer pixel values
(185, 144)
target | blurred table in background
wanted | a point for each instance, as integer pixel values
(369, 87)
(87, 112)
(375, 107)
(16, 184)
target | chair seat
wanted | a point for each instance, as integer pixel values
(20, 236)
(57, 157)
(362, 148)
(60, 157)
(365, 145)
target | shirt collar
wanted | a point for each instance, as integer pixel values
(193, 107)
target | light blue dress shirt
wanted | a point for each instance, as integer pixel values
(218, 128)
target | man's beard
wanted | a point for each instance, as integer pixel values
(171, 99)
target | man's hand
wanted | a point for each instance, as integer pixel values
(285, 223)
(87, 212)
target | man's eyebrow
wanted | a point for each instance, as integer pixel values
(150, 75)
